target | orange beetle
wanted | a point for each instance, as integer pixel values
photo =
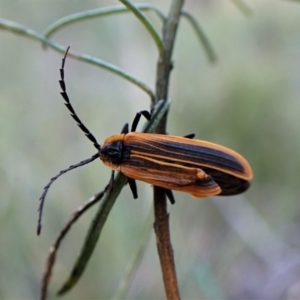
(174, 163)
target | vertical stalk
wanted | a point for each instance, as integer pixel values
(161, 224)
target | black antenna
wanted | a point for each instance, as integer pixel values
(70, 107)
(86, 132)
(46, 188)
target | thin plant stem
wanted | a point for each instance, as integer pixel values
(144, 20)
(30, 33)
(161, 224)
(201, 36)
(98, 12)
(117, 9)
(54, 248)
(94, 233)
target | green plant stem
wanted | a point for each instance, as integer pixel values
(99, 12)
(135, 10)
(201, 36)
(29, 33)
(55, 246)
(117, 9)
(94, 233)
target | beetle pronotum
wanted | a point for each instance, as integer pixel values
(174, 163)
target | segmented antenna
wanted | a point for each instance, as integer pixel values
(70, 107)
(46, 188)
(86, 132)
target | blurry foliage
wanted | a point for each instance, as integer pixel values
(248, 101)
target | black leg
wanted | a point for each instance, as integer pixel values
(125, 128)
(112, 180)
(137, 117)
(170, 195)
(190, 136)
(132, 185)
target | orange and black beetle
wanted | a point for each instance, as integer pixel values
(171, 162)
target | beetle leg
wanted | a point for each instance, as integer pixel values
(137, 117)
(125, 129)
(132, 185)
(170, 196)
(112, 180)
(190, 136)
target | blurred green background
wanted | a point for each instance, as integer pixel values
(243, 247)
